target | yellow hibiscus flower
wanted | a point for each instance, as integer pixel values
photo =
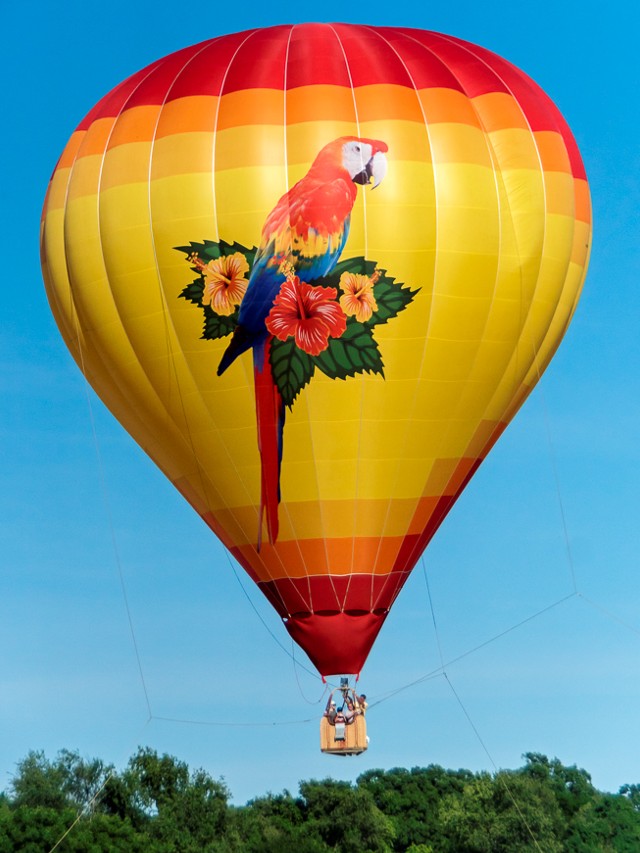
(358, 299)
(225, 283)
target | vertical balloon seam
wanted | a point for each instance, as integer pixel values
(257, 557)
(495, 157)
(65, 317)
(412, 405)
(220, 501)
(256, 554)
(440, 510)
(68, 317)
(576, 170)
(394, 579)
(540, 365)
(482, 454)
(537, 361)
(170, 336)
(410, 559)
(283, 575)
(360, 384)
(97, 347)
(53, 291)
(322, 539)
(120, 307)
(73, 324)
(95, 352)
(444, 508)
(284, 504)
(398, 577)
(73, 307)
(498, 175)
(150, 382)
(242, 365)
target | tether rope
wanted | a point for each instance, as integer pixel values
(501, 779)
(109, 515)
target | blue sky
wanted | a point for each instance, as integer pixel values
(549, 523)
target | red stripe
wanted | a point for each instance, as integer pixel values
(356, 593)
(315, 55)
(337, 643)
(340, 55)
(425, 68)
(113, 102)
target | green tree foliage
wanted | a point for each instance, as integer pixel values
(158, 805)
(412, 799)
(186, 811)
(500, 814)
(345, 818)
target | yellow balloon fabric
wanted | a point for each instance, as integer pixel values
(406, 323)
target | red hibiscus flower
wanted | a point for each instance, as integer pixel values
(309, 314)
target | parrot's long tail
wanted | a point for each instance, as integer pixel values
(270, 412)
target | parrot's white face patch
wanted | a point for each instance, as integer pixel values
(355, 156)
(362, 164)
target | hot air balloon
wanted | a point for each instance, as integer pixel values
(315, 270)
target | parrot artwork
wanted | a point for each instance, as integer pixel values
(302, 240)
(400, 332)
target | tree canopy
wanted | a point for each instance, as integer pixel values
(157, 804)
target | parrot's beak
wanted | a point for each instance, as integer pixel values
(376, 168)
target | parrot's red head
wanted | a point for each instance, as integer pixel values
(362, 159)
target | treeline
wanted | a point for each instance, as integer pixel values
(157, 805)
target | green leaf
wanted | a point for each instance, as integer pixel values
(355, 352)
(217, 325)
(391, 299)
(359, 266)
(232, 248)
(209, 250)
(193, 292)
(354, 265)
(291, 367)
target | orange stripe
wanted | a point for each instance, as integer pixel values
(319, 103)
(135, 125)
(581, 243)
(251, 106)
(447, 475)
(583, 200)
(481, 439)
(71, 149)
(499, 111)
(402, 517)
(387, 103)
(315, 557)
(553, 152)
(97, 136)
(257, 107)
(447, 106)
(188, 115)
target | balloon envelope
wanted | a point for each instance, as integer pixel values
(458, 279)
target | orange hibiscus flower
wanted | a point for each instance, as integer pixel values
(358, 298)
(309, 314)
(225, 283)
